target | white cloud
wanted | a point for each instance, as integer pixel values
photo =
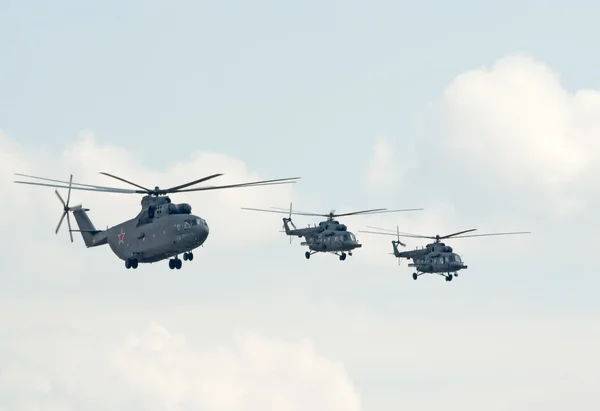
(382, 172)
(82, 355)
(91, 368)
(515, 125)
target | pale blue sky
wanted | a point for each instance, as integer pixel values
(325, 80)
(247, 78)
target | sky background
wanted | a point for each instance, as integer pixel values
(487, 116)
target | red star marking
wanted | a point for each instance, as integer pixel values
(121, 236)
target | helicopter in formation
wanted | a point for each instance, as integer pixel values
(436, 257)
(161, 230)
(329, 236)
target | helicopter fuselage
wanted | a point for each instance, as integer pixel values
(328, 237)
(437, 263)
(163, 238)
(161, 230)
(332, 241)
(434, 258)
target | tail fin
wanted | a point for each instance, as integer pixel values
(91, 236)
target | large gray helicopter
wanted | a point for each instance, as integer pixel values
(434, 258)
(329, 236)
(161, 230)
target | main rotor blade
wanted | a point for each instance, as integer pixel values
(493, 234)
(332, 214)
(242, 185)
(284, 212)
(359, 212)
(452, 235)
(104, 190)
(388, 230)
(382, 229)
(287, 210)
(126, 181)
(422, 236)
(66, 182)
(376, 211)
(191, 183)
(396, 235)
(455, 234)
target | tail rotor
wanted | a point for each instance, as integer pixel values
(399, 242)
(289, 220)
(66, 209)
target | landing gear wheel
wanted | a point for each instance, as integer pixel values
(456, 274)
(178, 264)
(131, 263)
(188, 256)
(449, 278)
(307, 255)
(171, 264)
(415, 276)
(342, 256)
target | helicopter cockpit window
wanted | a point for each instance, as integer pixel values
(451, 258)
(458, 260)
(190, 223)
(352, 238)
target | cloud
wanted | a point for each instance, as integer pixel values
(154, 369)
(382, 172)
(84, 355)
(514, 132)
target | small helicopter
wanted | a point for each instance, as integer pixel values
(436, 257)
(161, 230)
(329, 236)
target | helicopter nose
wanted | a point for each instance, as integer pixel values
(201, 231)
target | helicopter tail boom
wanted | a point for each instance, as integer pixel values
(91, 236)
